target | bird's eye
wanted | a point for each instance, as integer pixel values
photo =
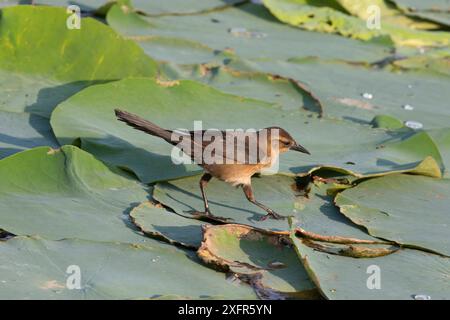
(285, 143)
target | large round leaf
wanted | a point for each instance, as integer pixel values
(270, 264)
(248, 30)
(404, 275)
(39, 75)
(325, 19)
(167, 226)
(20, 131)
(434, 10)
(179, 6)
(342, 88)
(442, 139)
(34, 268)
(184, 197)
(411, 210)
(287, 93)
(312, 207)
(89, 116)
(67, 193)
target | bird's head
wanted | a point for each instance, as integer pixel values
(285, 142)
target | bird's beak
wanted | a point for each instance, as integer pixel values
(299, 148)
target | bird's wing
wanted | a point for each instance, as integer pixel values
(217, 146)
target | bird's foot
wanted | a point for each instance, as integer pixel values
(208, 216)
(272, 215)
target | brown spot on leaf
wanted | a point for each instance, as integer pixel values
(167, 83)
(52, 285)
(356, 103)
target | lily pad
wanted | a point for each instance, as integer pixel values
(167, 226)
(84, 5)
(180, 51)
(286, 93)
(359, 94)
(269, 263)
(67, 193)
(389, 13)
(89, 116)
(21, 131)
(325, 19)
(403, 275)
(248, 31)
(442, 139)
(35, 78)
(312, 207)
(410, 210)
(433, 10)
(172, 7)
(35, 268)
(436, 61)
(184, 197)
(322, 19)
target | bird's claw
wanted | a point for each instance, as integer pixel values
(207, 215)
(273, 215)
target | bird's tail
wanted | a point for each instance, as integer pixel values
(143, 125)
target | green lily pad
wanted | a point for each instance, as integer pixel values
(342, 87)
(387, 122)
(84, 5)
(247, 30)
(34, 268)
(89, 116)
(184, 197)
(67, 193)
(314, 209)
(442, 140)
(404, 274)
(167, 226)
(35, 78)
(410, 210)
(322, 19)
(435, 61)
(169, 7)
(433, 10)
(315, 212)
(286, 93)
(269, 263)
(179, 51)
(325, 19)
(21, 131)
(388, 12)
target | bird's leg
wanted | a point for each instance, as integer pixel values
(207, 215)
(250, 197)
(203, 182)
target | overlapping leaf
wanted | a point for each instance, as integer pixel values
(67, 193)
(269, 263)
(249, 31)
(404, 275)
(168, 226)
(177, 7)
(20, 131)
(433, 10)
(37, 76)
(411, 210)
(342, 87)
(326, 19)
(35, 268)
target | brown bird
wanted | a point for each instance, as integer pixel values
(230, 156)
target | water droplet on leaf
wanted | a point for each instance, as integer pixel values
(408, 107)
(414, 125)
(367, 95)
